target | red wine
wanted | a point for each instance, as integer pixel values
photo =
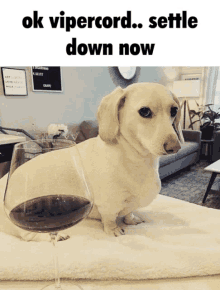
(50, 213)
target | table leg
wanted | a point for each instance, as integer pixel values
(212, 179)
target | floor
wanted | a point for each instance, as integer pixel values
(190, 185)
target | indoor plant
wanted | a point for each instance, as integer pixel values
(207, 118)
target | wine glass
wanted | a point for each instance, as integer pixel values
(47, 190)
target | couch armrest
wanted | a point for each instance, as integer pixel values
(192, 135)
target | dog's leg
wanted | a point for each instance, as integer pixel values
(111, 228)
(109, 221)
(131, 219)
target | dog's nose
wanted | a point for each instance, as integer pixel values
(172, 147)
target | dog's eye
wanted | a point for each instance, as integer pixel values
(145, 112)
(173, 111)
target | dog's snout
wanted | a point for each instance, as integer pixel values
(172, 146)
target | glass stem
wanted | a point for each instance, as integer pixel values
(54, 237)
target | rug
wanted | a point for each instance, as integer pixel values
(190, 185)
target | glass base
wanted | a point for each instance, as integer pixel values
(64, 286)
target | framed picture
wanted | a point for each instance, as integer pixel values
(46, 78)
(14, 82)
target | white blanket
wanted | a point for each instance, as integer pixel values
(178, 239)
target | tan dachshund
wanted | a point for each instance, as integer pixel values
(136, 126)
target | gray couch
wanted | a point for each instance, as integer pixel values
(187, 155)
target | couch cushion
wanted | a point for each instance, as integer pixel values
(186, 149)
(87, 129)
(167, 159)
(173, 167)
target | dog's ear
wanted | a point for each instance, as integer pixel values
(108, 115)
(176, 123)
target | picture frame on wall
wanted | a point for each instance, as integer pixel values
(47, 79)
(14, 81)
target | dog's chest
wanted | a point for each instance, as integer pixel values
(113, 175)
(143, 185)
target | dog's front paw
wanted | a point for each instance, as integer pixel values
(63, 237)
(60, 237)
(114, 231)
(131, 219)
(42, 237)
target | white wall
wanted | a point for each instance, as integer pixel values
(83, 89)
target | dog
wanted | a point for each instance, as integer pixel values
(137, 125)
